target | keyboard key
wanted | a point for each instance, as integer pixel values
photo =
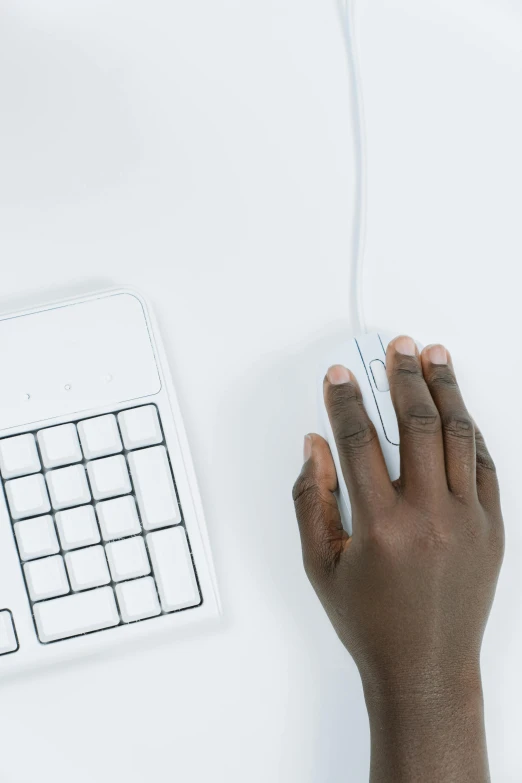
(140, 427)
(118, 518)
(77, 527)
(87, 568)
(27, 496)
(76, 614)
(109, 477)
(8, 641)
(46, 578)
(154, 487)
(172, 566)
(68, 487)
(59, 445)
(19, 456)
(138, 599)
(36, 537)
(128, 558)
(100, 436)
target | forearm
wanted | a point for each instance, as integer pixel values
(429, 734)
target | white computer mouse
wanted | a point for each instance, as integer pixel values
(365, 356)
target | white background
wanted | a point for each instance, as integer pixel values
(202, 153)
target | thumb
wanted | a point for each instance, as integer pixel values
(323, 538)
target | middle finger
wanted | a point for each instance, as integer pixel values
(421, 443)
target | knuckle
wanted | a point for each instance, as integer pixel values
(381, 538)
(406, 369)
(429, 539)
(351, 425)
(340, 398)
(443, 377)
(304, 489)
(310, 501)
(355, 434)
(458, 424)
(420, 418)
(485, 460)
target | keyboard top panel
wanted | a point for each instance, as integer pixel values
(76, 357)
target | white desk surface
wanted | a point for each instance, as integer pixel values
(201, 152)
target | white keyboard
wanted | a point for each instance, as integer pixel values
(101, 527)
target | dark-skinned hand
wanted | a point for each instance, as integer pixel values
(409, 593)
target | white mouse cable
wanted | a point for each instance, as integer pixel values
(347, 15)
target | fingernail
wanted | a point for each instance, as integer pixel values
(437, 354)
(338, 374)
(307, 448)
(405, 345)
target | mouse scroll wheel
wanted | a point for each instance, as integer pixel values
(380, 378)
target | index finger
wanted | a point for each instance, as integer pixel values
(360, 455)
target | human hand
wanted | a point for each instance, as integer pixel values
(410, 592)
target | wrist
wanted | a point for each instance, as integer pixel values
(426, 699)
(428, 728)
(422, 682)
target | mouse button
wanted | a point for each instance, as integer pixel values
(388, 418)
(379, 375)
